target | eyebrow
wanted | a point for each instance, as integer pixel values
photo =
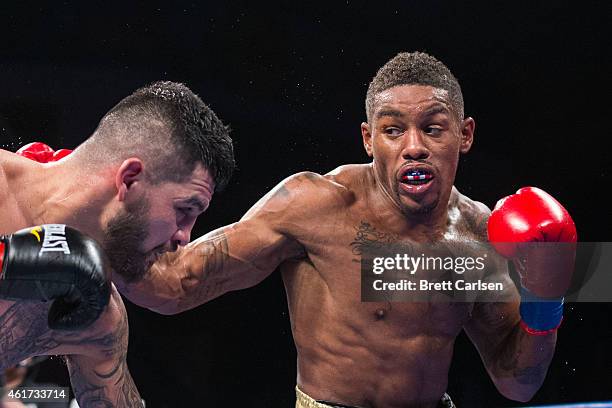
(435, 110)
(389, 112)
(196, 202)
(438, 108)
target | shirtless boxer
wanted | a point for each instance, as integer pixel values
(136, 186)
(312, 227)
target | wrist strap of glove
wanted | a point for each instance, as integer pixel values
(540, 316)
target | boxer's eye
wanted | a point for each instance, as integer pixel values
(393, 131)
(433, 130)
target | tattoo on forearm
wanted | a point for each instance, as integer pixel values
(110, 388)
(215, 251)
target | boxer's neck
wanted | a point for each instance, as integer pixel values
(62, 193)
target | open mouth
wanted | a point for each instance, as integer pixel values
(416, 177)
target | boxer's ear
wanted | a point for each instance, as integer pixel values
(467, 134)
(129, 173)
(367, 138)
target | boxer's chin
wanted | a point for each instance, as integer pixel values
(413, 207)
(122, 239)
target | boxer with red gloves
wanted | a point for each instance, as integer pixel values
(316, 228)
(135, 186)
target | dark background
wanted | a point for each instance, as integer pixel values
(291, 79)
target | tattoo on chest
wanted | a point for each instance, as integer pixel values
(367, 238)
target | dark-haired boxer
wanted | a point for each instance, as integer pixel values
(313, 228)
(136, 186)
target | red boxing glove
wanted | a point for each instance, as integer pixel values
(531, 216)
(42, 153)
(36, 151)
(60, 154)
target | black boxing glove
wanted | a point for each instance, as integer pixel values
(58, 263)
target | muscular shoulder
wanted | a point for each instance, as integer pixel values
(305, 194)
(471, 216)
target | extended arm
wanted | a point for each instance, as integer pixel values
(234, 257)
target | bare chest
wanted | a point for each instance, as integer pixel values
(335, 279)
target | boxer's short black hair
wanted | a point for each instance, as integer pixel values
(415, 68)
(171, 129)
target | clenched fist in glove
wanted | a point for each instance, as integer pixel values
(533, 230)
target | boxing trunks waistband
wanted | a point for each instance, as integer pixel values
(303, 400)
